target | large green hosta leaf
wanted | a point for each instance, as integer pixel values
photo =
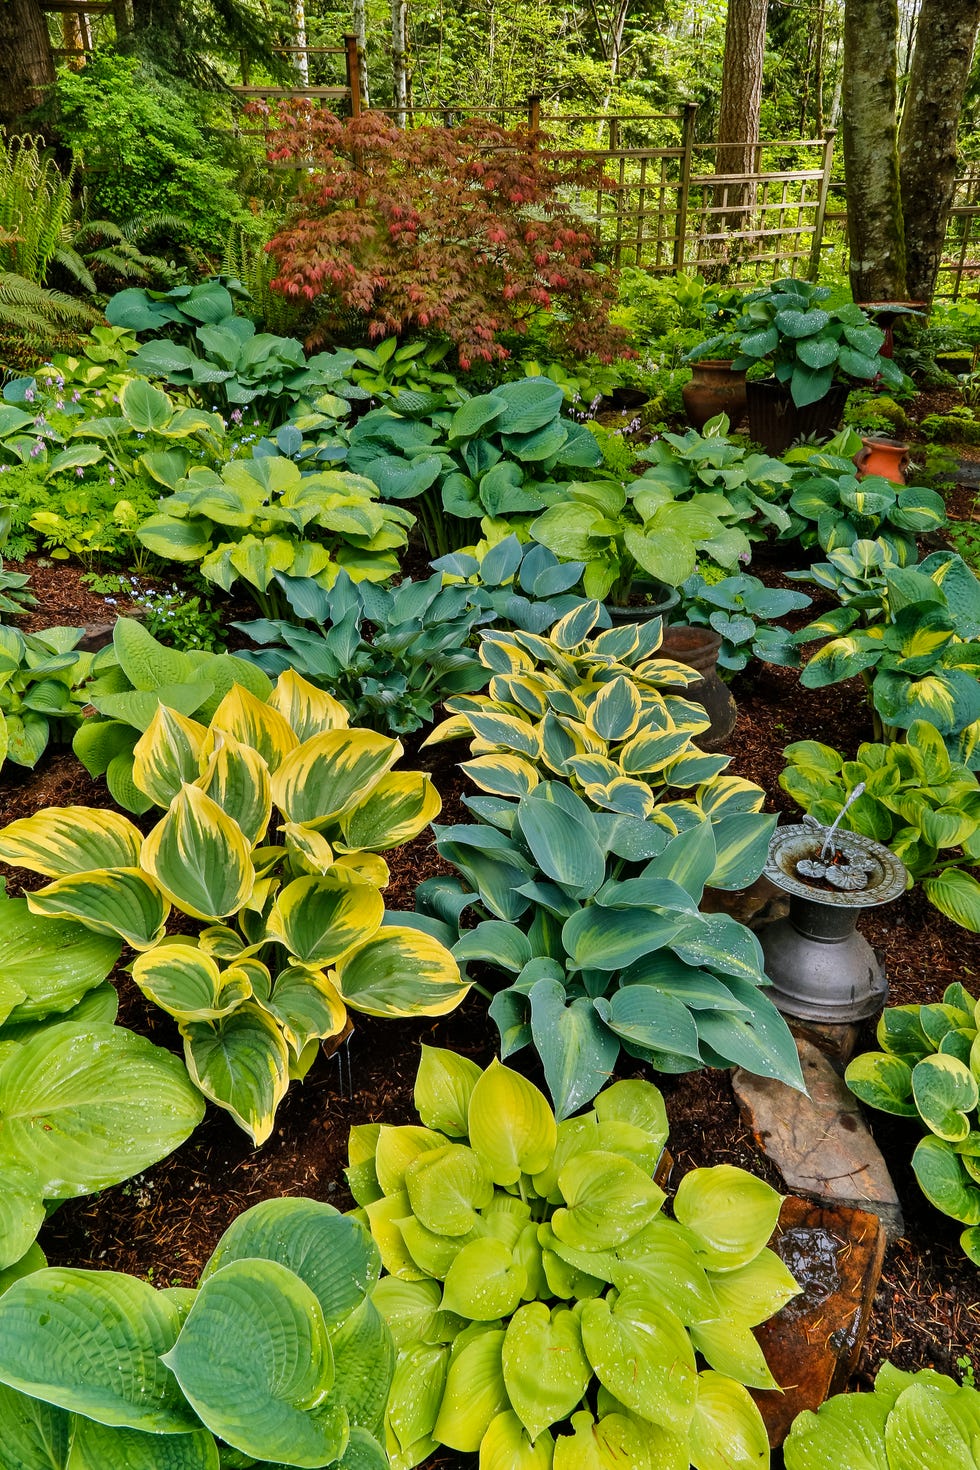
(48, 964)
(254, 1360)
(731, 1214)
(96, 1447)
(642, 1354)
(546, 1371)
(36, 1436)
(727, 1428)
(91, 1342)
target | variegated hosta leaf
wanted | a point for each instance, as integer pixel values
(167, 754)
(402, 805)
(310, 846)
(240, 1062)
(400, 972)
(255, 723)
(121, 901)
(187, 983)
(366, 867)
(306, 1006)
(328, 775)
(61, 840)
(237, 778)
(320, 919)
(307, 710)
(502, 775)
(200, 857)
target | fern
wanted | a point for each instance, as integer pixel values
(35, 321)
(247, 259)
(35, 208)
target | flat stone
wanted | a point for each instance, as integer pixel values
(837, 1042)
(812, 1345)
(820, 1143)
(97, 635)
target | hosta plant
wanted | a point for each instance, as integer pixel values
(515, 584)
(501, 454)
(42, 690)
(128, 681)
(916, 800)
(545, 1308)
(15, 593)
(389, 654)
(601, 712)
(741, 610)
(83, 1104)
(275, 816)
(260, 519)
(278, 1357)
(929, 1068)
(910, 1419)
(916, 645)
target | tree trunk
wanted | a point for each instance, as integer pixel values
(399, 60)
(738, 108)
(301, 60)
(875, 230)
(945, 39)
(26, 63)
(360, 31)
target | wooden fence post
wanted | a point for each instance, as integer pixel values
(352, 61)
(816, 243)
(534, 113)
(684, 187)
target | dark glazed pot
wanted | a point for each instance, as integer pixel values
(775, 422)
(715, 387)
(661, 599)
(699, 648)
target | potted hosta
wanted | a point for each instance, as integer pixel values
(814, 354)
(716, 385)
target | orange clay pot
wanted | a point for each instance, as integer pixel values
(885, 457)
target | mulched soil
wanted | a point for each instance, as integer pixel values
(164, 1224)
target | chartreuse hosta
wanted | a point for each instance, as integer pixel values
(279, 1357)
(275, 816)
(929, 1068)
(83, 1103)
(546, 1311)
(909, 1420)
(593, 712)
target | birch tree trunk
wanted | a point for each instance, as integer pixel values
(26, 63)
(875, 229)
(945, 40)
(738, 108)
(360, 31)
(301, 62)
(399, 59)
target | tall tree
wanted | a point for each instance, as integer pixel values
(944, 44)
(26, 63)
(399, 59)
(738, 108)
(875, 229)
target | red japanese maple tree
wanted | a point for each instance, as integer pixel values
(467, 231)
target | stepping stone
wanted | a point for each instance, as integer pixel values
(837, 1041)
(820, 1143)
(813, 1344)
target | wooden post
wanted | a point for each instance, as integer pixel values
(684, 188)
(243, 56)
(352, 62)
(821, 214)
(534, 113)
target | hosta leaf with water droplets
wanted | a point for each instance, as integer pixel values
(200, 857)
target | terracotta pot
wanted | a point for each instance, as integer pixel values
(715, 387)
(775, 422)
(699, 649)
(885, 457)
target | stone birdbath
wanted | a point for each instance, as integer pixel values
(821, 968)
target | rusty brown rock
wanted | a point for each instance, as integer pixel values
(813, 1344)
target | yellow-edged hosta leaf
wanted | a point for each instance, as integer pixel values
(121, 901)
(306, 709)
(402, 805)
(240, 1062)
(499, 652)
(456, 727)
(666, 671)
(187, 983)
(237, 778)
(200, 857)
(306, 1006)
(506, 732)
(255, 723)
(310, 846)
(320, 919)
(615, 712)
(367, 867)
(71, 839)
(400, 972)
(502, 775)
(167, 754)
(328, 775)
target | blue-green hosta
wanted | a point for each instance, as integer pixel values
(277, 1358)
(917, 647)
(83, 1104)
(910, 1419)
(600, 712)
(916, 800)
(547, 1313)
(738, 608)
(42, 693)
(929, 1068)
(515, 584)
(591, 922)
(260, 519)
(275, 816)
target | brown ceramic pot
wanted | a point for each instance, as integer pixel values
(699, 649)
(715, 387)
